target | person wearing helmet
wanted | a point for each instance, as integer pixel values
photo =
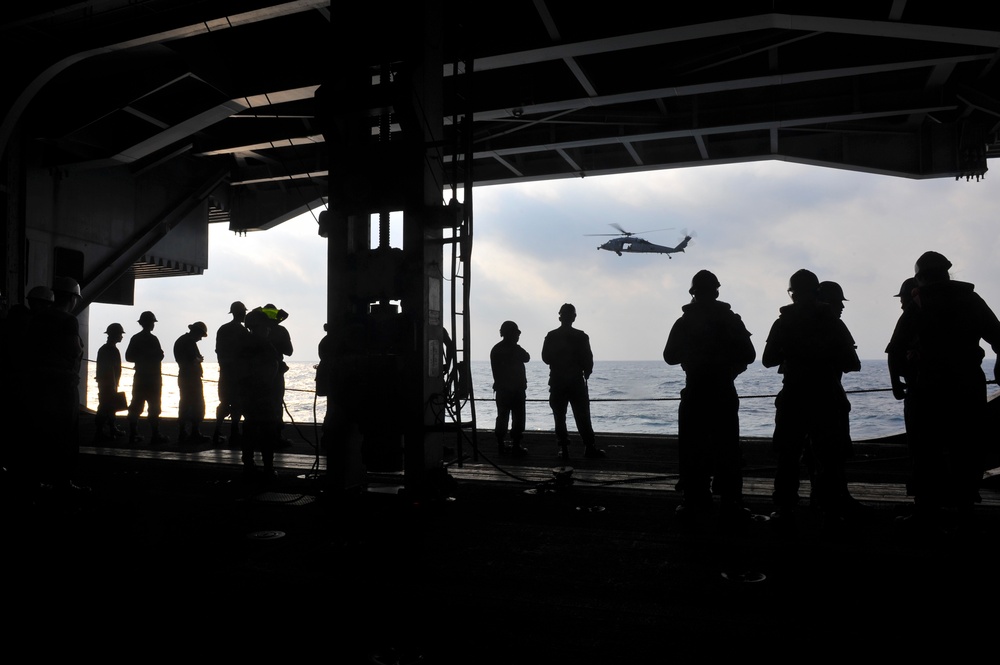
(55, 347)
(229, 342)
(712, 346)
(566, 351)
(145, 352)
(40, 297)
(109, 374)
(282, 342)
(940, 335)
(898, 361)
(832, 294)
(899, 358)
(510, 383)
(260, 397)
(191, 403)
(812, 349)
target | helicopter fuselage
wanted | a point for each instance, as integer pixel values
(640, 246)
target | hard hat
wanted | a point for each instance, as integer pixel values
(256, 317)
(831, 292)
(147, 317)
(508, 328)
(41, 293)
(703, 280)
(906, 288)
(66, 285)
(237, 307)
(930, 262)
(198, 326)
(803, 281)
(115, 328)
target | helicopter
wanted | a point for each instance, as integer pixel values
(630, 242)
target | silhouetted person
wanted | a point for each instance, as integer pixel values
(39, 298)
(812, 348)
(191, 403)
(18, 366)
(906, 291)
(260, 395)
(898, 360)
(566, 351)
(712, 346)
(56, 349)
(145, 353)
(109, 374)
(229, 342)
(510, 384)
(832, 294)
(282, 343)
(940, 334)
(343, 377)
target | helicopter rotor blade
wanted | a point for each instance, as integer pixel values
(623, 232)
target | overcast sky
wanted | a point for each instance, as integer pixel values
(753, 226)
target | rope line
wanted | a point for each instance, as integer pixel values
(601, 399)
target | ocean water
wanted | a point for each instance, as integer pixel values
(635, 397)
(642, 397)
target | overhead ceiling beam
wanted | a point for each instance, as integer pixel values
(767, 125)
(221, 23)
(882, 29)
(720, 86)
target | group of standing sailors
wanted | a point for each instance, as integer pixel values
(251, 348)
(43, 353)
(935, 365)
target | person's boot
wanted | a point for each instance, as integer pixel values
(217, 437)
(133, 432)
(517, 450)
(156, 437)
(197, 437)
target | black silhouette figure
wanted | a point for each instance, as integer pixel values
(712, 345)
(936, 342)
(109, 374)
(146, 354)
(260, 397)
(191, 403)
(898, 360)
(18, 366)
(229, 340)
(567, 352)
(55, 346)
(832, 294)
(510, 384)
(812, 349)
(343, 376)
(282, 343)
(906, 291)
